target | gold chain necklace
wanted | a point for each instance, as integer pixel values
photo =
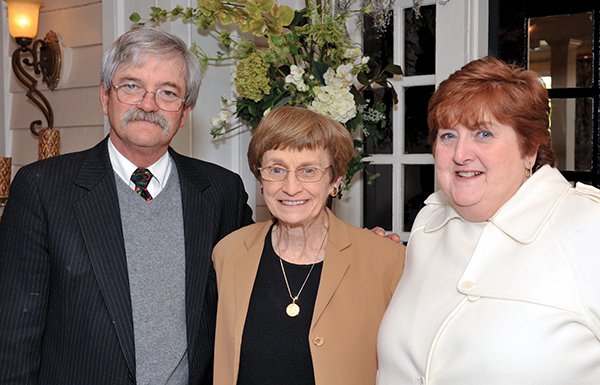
(293, 309)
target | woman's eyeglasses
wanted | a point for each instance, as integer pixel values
(306, 174)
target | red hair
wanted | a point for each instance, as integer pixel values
(489, 88)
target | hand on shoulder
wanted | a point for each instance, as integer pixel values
(381, 232)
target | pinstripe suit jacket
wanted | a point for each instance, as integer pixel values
(65, 308)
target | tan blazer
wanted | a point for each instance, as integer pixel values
(360, 272)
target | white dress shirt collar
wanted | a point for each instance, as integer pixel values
(124, 168)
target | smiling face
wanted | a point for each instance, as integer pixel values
(139, 136)
(292, 202)
(481, 169)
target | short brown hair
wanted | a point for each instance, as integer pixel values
(510, 94)
(296, 128)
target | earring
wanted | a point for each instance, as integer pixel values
(261, 190)
(528, 171)
(334, 191)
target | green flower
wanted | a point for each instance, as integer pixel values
(244, 48)
(251, 80)
(329, 32)
(332, 32)
(258, 7)
(211, 5)
(225, 38)
(280, 53)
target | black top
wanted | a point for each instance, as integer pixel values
(275, 347)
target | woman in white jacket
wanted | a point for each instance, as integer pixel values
(502, 277)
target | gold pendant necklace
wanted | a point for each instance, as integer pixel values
(293, 309)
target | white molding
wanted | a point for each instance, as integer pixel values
(6, 97)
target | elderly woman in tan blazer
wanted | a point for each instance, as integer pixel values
(301, 296)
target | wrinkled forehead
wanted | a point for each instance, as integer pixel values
(176, 69)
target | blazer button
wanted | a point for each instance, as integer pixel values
(319, 341)
(467, 285)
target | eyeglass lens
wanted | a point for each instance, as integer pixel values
(304, 174)
(131, 93)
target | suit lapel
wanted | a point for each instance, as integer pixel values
(99, 219)
(335, 265)
(199, 215)
(246, 268)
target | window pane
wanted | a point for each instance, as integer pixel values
(419, 41)
(416, 130)
(385, 144)
(379, 45)
(571, 128)
(378, 198)
(560, 47)
(418, 185)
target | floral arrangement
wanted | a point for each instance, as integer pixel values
(309, 61)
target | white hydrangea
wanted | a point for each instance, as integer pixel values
(334, 99)
(335, 102)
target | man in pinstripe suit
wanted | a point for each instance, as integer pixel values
(97, 284)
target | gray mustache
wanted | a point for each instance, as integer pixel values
(152, 117)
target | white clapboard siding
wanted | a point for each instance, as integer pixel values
(75, 102)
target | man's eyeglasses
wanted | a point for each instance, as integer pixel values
(132, 93)
(306, 174)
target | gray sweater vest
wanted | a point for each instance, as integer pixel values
(155, 248)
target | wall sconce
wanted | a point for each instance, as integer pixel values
(45, 58)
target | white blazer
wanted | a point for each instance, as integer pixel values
(523, 309)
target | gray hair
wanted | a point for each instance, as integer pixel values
(135, 46)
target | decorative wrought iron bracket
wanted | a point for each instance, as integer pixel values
(46, 60)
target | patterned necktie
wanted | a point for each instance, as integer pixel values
(141, 178)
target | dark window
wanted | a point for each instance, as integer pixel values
(416, 130)
(419, 41)
(560, 41)
(418, 185)
(378, 198)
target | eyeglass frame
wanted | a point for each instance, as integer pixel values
(144, 96)
(322, 169)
